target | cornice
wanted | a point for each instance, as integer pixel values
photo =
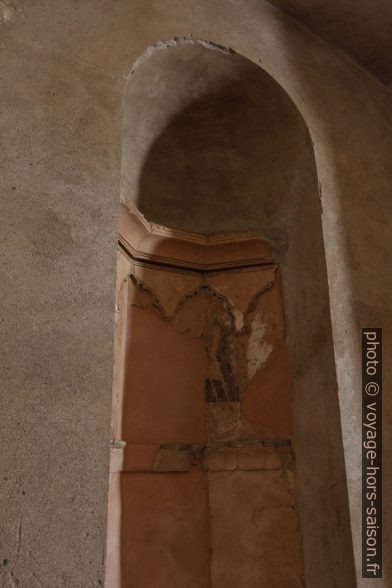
(150, 242)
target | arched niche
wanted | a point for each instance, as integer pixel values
(212, 144)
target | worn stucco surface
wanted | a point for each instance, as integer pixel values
(202, 489)
(62, 70)
(211, 143)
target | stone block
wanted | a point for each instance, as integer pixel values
(165, 530)
(266, 400)
(255, 539)
(139, 458)
(164, 383)
(217, 460)
(173, 459)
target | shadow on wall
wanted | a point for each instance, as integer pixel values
(211, 143)
(217, 146)
(353, 147)
(225, 162)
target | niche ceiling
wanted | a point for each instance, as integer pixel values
(211, 143)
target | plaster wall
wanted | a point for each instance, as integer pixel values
(211, 142)
(202, 489)
(63, 68)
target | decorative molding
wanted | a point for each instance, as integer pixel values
(145, 241)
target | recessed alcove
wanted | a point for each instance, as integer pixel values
(211, 143)
(225, 415)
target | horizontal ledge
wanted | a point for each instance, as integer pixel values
(144, 242)
(192, 267)
(177, 457)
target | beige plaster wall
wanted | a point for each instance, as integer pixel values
(211, 142)
(62, 69)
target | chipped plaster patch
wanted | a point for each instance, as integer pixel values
(116, 313)
(239, 319)
(258, 350)
(175, 42)
(6, 12)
